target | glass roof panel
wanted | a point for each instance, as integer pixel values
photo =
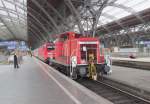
(3, 27)
(143, 5)
(3, 12)
(9, 5)
(16, 16)
(122, 1)
(13, 15)
(1, 24)
(133, 6)
(13, 18)
(20, 10)
(1, 5)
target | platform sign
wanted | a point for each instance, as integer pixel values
(143, 42)
(146, 42)
(8, 43)
(4, 43)
(11, 47)
(23, 48)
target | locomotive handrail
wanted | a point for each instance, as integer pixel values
(71, 69)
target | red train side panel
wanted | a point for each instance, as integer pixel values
(45, 52)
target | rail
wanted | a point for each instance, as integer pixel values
(112, 93)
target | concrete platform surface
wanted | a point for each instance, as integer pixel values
(144, 59)
(36, 83)
(134, 77)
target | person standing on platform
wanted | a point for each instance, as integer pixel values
(15, 61)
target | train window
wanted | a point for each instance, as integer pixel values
(50, 48)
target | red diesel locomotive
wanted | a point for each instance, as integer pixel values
(76, 55)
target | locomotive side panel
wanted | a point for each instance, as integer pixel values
(45, 52)
(58, 49)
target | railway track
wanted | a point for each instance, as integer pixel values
(113, 94)
(110, 90)
(132, 64)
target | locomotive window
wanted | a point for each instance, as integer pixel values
(65, 37)
(77, 35)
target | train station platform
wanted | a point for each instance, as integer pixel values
(37, 83)
(141, 63)
(144, 59)
(136, 78)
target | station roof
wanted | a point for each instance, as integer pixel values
(127, 21)
(13, 20)
(34, 20)
(123, 8)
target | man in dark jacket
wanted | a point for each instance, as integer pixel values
(15, 61)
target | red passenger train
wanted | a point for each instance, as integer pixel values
(45, 52)
(75, 54)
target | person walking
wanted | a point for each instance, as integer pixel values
(15, 61)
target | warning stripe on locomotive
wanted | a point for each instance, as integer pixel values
(88, 42)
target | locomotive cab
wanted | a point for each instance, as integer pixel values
(87, 48)
(89, 61)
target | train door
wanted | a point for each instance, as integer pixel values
(86, 50)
